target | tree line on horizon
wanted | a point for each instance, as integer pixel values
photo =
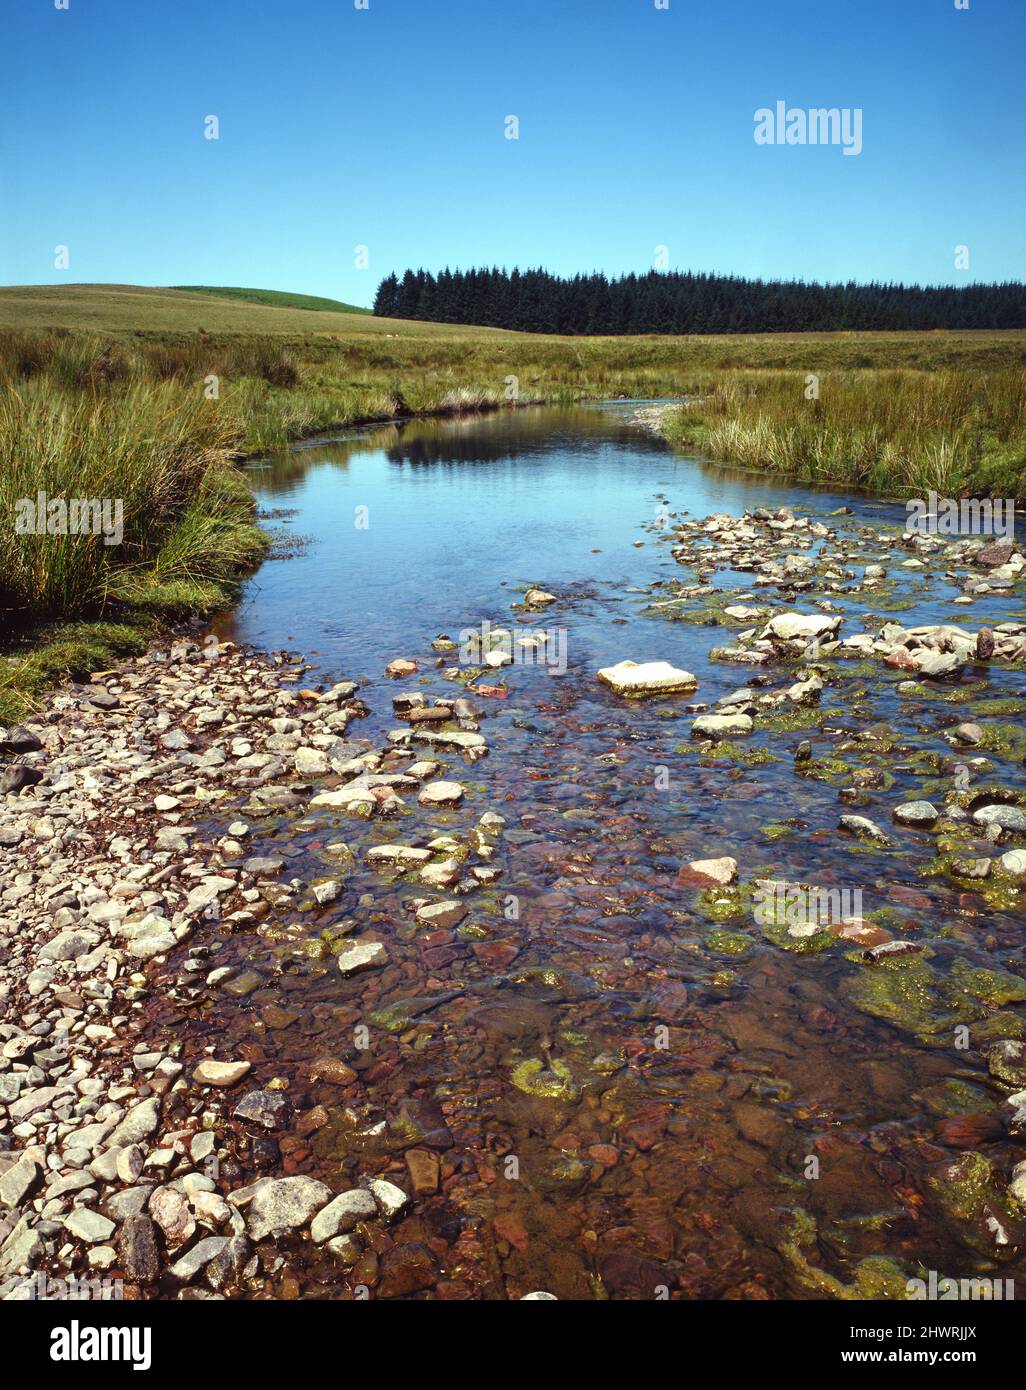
(534, 301)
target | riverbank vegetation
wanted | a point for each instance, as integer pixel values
(902, 433)
(160, 419)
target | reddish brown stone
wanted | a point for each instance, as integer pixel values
(422, 1166)
(496, 955)
(312, 1120)
(509, 1227)
(333, 1069)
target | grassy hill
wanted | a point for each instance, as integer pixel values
(158, 312)
(275, 299)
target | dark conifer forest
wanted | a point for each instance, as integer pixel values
(534, 301)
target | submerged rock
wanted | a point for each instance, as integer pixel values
(1006, 1061)
(554, 1081)
(864, 828)
(360, 956)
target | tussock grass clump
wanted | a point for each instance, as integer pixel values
(152, 452)
(901, 432)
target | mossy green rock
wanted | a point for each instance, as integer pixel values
(1006, 1062)
(876, 1277)
(973, 1200)
(991, 987)
(727, 943)
(553, 1082)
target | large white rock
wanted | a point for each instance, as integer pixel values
(441, 794)
(310, 762)
(391, 1200)
(646, 678)
(404, 855)
(345, 797)
(1014, 862)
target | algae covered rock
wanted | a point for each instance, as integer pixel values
(991, 987)
(1006, 1061)
(973, 1200)
(876, 1277)
(554, 1081)
(903, 990)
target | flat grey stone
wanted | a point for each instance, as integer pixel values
(342, 1214)
(285, 1204)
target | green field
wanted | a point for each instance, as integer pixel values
(274, 299)
(141, 309)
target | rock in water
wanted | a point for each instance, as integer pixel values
(267, 1108)
(915, 813)
(362, 955)
(721, 725)
(800, 627)
(1006, 817)
(342, 1214)
(441, 794)
(391, 1200)
(705, 871)
(864, 828)
(646, 678)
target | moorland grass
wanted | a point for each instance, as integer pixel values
(902, 433)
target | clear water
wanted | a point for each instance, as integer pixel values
(702, 1083)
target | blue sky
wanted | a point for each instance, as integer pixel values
(384, 128)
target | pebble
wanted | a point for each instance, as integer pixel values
(360, 956)
(89, 1226)
(211, 1073)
